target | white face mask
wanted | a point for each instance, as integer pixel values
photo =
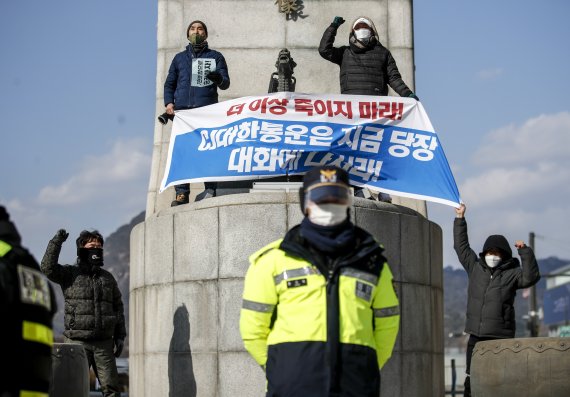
(492, 260)
(363, 35)
(327, 214)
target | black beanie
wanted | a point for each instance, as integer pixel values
(499, 242)
(8, 231)
(193, 22)
(325, 174)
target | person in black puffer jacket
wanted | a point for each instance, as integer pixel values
(494, 277)
(94, 314)
(366, 66)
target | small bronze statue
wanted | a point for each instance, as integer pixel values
(283, 79)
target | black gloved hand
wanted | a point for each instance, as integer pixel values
(60, 236)
(337, 22)
(216, 77)
(119, 344)
(412, 95)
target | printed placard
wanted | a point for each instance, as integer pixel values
(200, 68)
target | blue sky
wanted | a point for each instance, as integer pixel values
(77, 83)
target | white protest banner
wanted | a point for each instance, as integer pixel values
(385, 143)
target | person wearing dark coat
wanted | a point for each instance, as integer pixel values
(185, 88)
(27, 307)
(494, 277)
(94, 314)
(366, 66)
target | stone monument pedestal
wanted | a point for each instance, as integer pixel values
(187, 270)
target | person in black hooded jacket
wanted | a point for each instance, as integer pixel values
(494, 277)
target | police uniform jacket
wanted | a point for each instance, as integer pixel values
(319, 329)
(27, 306)
(491, 292)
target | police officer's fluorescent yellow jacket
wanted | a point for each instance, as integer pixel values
(27, 306)
(312, 327)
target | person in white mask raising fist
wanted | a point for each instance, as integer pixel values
(366, 66)
(319, 311)
(494, 276)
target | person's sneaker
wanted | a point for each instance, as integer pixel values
(181, 198)
(208, 193)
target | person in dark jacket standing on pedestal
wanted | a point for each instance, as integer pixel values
(192, 82)
(494, 277)
(366, 66)
(94, 315)
(27, 306)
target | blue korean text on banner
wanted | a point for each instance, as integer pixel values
(385, 143)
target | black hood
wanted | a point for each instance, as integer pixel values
(499, 242)
(8, 231)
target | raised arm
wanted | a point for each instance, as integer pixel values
(326, 48)
(530, 273)
(54, 271)
(467, 257)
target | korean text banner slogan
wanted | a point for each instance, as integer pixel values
(385, 143)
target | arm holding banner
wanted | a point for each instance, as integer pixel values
(467, 257)
(530, 274)
(170, 87)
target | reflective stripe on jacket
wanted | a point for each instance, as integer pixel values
(27, 306)
(339, 327)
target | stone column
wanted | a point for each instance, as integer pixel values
(187, 269)
(250, 34)
(188, 262)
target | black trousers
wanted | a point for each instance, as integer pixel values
(470, 345)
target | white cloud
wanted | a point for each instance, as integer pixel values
(545, 138)
(105, 177)
(517, 182)
(489, 74)
(104, 193)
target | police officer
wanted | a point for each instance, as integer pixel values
(319, 310)
(27, 306)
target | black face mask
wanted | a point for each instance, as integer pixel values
(91, 256)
